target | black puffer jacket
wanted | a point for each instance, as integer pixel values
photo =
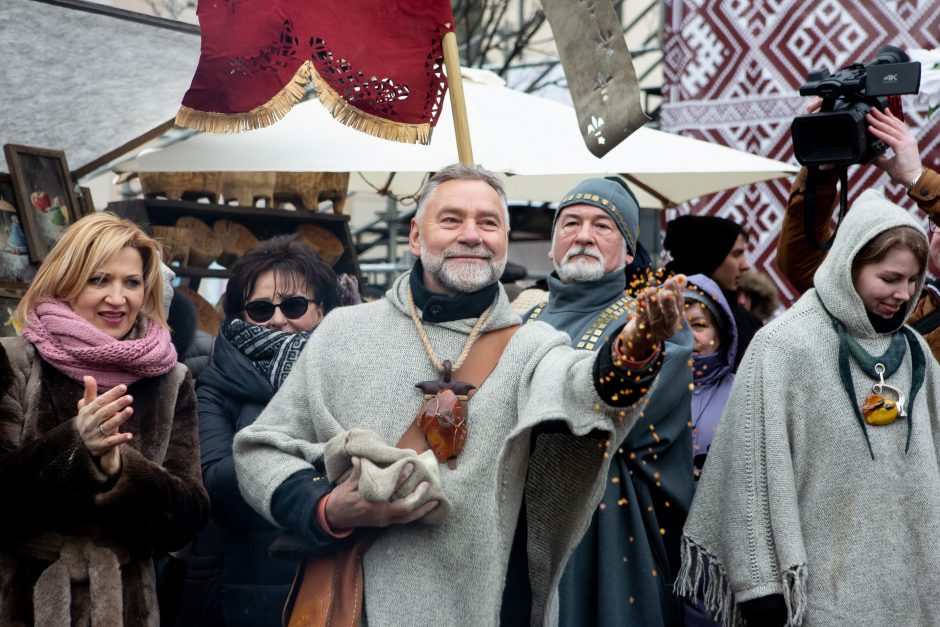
(231, 580)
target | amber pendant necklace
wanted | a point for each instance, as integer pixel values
(878, 409)
(443, 416)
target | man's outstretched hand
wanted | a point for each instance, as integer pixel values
(659, 315)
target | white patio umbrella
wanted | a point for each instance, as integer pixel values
(532, 141)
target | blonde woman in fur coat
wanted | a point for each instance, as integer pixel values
(99, 452)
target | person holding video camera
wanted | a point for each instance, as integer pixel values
(798, 259)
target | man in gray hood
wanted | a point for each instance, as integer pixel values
(635, 531)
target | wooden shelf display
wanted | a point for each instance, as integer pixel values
(261, 222)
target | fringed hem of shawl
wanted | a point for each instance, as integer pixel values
(702, 573)
(292, 93)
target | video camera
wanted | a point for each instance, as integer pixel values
(838, 133)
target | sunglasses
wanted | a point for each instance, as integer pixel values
(292, 308)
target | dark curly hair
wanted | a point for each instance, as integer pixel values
(285, 256)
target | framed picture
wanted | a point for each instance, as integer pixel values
(44, 195)
(14, 252)
(85, 204)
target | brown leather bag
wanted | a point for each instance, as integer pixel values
(328, 587)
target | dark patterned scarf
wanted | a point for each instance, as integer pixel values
(272, 353)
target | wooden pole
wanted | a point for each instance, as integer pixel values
(457, 103)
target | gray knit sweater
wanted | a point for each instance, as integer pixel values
(359, 370)
(791, 501)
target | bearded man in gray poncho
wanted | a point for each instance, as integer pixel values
(541, 423)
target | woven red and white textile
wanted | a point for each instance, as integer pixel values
(732, 73)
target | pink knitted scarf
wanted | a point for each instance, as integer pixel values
(78, 348)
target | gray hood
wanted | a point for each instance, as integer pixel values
(870, 215)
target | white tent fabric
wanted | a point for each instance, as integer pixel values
(533, 141)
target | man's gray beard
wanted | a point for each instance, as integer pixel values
(463, 277)
(580, 270)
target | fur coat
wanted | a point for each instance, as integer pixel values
(76, 545)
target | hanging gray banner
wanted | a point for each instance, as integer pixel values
(598, 69)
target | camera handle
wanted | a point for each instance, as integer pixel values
(809, 206)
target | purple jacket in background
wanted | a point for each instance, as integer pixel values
(712, 375)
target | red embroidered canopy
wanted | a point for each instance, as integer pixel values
(376, 65)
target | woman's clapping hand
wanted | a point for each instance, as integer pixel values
(99, 421)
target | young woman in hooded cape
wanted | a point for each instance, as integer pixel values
(820, 501)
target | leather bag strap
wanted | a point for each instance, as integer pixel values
(484, 355)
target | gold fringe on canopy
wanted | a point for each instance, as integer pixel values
(292, 93)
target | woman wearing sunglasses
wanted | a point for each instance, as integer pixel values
(279, 292)
(98, 443)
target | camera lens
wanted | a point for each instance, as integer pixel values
(891, 54)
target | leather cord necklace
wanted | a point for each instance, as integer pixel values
(443, 417)
(474, 333)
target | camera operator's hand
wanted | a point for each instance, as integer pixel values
(905, 166)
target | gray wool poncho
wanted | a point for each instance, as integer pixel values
(359, 371)
(791, 501)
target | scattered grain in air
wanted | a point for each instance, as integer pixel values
(649, 508)
(654, 572)
(662, 531)
(630, 539)
(615, 479)
(691, 387)
(656, 475)
(667, 503)
(632, 600)
(602, 506)
(625, 560)
(622, 501)
(632, 455)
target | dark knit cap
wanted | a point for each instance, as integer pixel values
(699, 244)
(612, 196)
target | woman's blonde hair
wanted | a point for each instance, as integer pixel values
(86, 246)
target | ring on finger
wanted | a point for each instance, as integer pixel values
(102, 431)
